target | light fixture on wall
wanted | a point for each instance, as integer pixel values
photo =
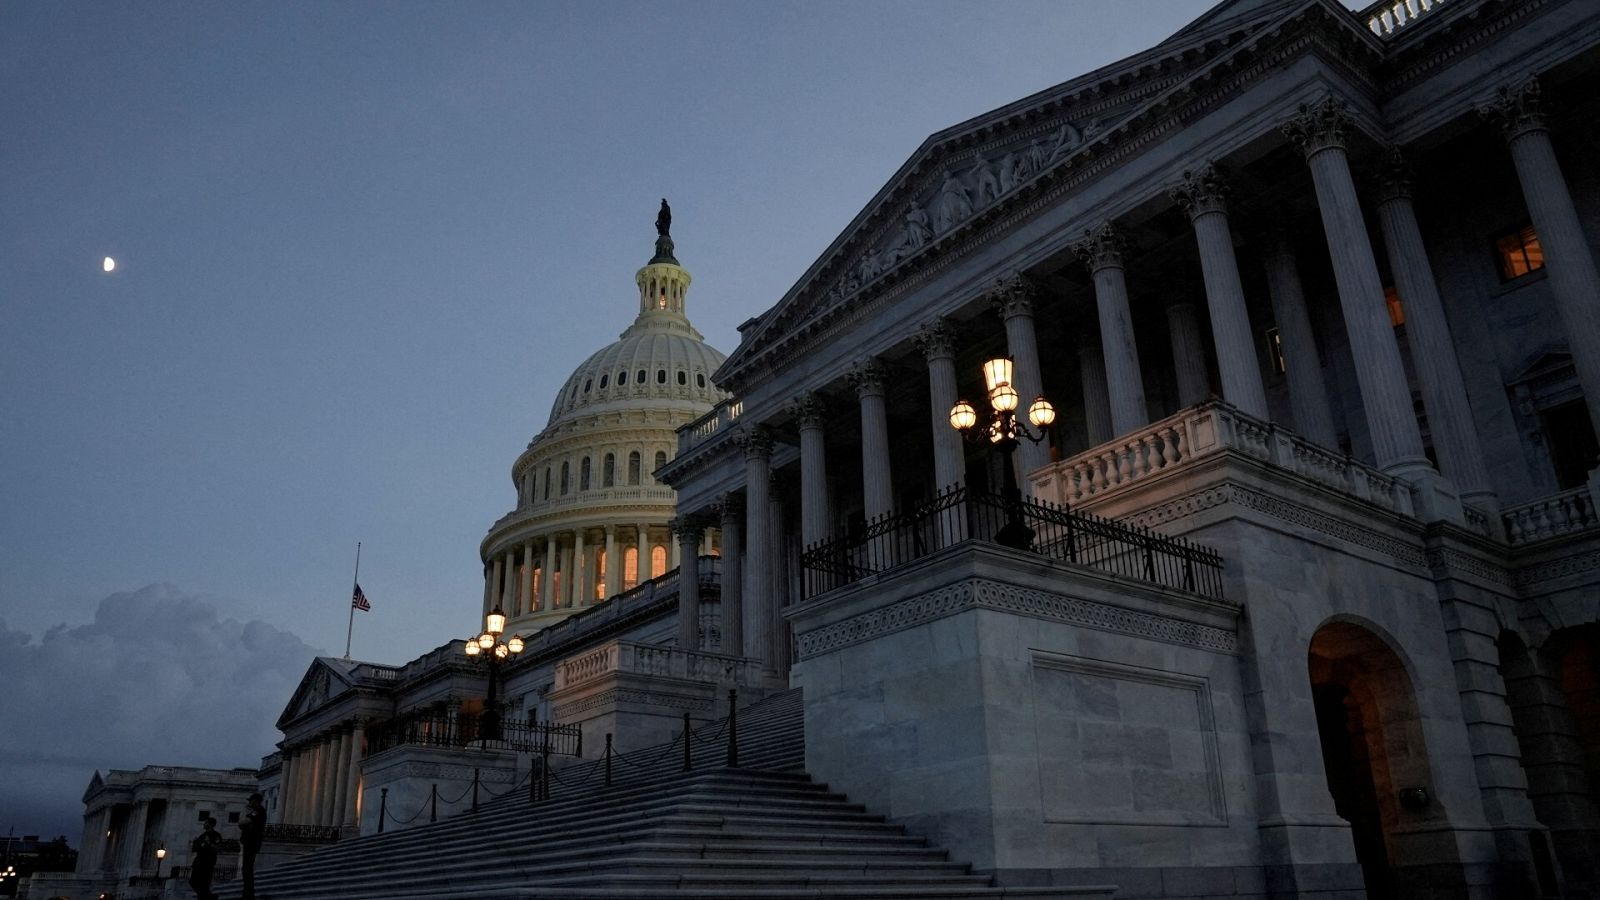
(1003, 432)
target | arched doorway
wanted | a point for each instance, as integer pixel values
(1373, 754)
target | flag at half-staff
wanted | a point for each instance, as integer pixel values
(359, 600)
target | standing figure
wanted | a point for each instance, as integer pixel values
(988, 185)
(955, 204)
(203, 866)
(252, 828)
(917, 231)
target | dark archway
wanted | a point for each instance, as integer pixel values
(1376, 761)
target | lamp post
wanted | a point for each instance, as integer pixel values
(161, 855)
(1003, 432)
(489, 644)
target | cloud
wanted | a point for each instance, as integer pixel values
(158, 678)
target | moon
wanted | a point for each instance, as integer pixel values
(109, 264)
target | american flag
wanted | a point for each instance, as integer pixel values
(359, 600)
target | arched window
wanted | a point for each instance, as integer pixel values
(600, 592)
(603, 381)
(547, 482)
(633, 467)
(608, 472)
(658, 559)
(587, 383)
(566, 477)
(700, 380)
(641, 378)
(661, 460)
(622, 378)
(583, 474)
(683, 378)
(661, 376)
(630, 568)
(527, 487)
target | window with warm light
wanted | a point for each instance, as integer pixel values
(600, 566)
(1275, 350)
(1518, 252)
(630, 568)
(1391, 300)
(658, 559)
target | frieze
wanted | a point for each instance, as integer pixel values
(980, 593)
(1446, 559)
(1565, 567)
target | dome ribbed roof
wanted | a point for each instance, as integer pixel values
(663, 351)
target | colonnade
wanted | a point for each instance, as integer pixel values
(517, 579)
(1114, 395)
(321, 778)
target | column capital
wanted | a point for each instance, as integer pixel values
(756, 441)
(1319, 126)
(687, 528)
(1203, 190)
(1394, 175)
(1101, 248)
(1517, 108)
(1013, 295)
(936, 339)
(731, 506)
(868, 377)
(809, 410)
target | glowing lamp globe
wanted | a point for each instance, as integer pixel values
(996, 372)
(495, 622)
(501, 651)
(486, 640)
(1004, 397)
(515, 644)
(963, 416)
(472, 647)
(1042, 413)
(161, 853)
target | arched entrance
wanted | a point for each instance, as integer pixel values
(1374, 754)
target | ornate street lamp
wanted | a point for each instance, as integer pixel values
(1003, 432)
(488, 644)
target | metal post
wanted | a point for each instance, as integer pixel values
(474, 789)
(533, 781)
(433, 804)
(544, 770)
(383, 807)
(687, 759)
(608, 759)
(733, 728)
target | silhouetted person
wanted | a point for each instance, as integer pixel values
(252, 828)
(204, 864)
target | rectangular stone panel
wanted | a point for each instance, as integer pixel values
(1124, 745)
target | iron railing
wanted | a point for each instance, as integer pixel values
(957, 515)
(457, 730)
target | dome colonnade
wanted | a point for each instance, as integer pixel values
(591, 520)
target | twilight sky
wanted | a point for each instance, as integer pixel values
(359, 247)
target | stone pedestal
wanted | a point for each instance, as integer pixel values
(410, 775)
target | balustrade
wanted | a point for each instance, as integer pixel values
(1389, 16)
(710, 425)
(661, 660)
(1560, 514)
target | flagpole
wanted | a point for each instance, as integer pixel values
(354, 581)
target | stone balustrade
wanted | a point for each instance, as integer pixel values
(1560, 514)
(1387, 17)
(708, 426)
(1199, 432)
(658, 660)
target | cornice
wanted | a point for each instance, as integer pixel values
(1431, 50)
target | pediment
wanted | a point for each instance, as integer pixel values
(984, 168)
(95, 784)
(324, 680)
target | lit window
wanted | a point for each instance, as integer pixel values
(633, 467)
(1397, 313)
(1519, 253)
(538, 580)
(658, 559)
(608, 472)
(630, 568)
(600, 583)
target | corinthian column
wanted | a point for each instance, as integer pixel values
(1572, 276)
(808, 412)
(937, 342)
(547, 579)
(578, 584)
(1319, 130)
(732, 603)
(1096, 400)
(1433, 353)
(1101, 252)
(1188, 356)
(613, 563)
(1308, 397)
(1204, 196)
(756, 589)
(1012, 298)
(877, 484)
(508, 591)
(688, 531)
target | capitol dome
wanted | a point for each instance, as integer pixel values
(590, 519)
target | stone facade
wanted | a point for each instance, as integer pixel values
(1308, 288)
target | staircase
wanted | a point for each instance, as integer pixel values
(762, 830)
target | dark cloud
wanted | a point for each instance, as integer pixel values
(158, 678)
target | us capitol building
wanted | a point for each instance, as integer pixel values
(1178, 483)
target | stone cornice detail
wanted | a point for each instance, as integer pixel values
(626, 695)
(980, 593)
(1101, 248)
(1555, 569)
(1402, 552)
(1431, 50)
(1204, 190)
(1516, 109)
(1443, 560)
(936, 339)
(1013, 295)
(1243, 57)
